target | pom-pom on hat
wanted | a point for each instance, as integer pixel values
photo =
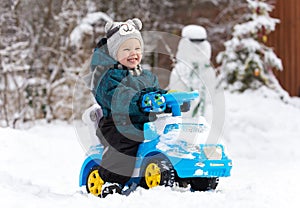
(118, 32)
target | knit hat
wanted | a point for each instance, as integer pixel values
(118, 32)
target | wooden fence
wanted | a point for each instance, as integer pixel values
(286, 43)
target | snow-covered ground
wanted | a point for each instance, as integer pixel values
(40, 166)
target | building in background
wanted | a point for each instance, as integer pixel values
(286, 43)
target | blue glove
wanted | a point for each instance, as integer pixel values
(153, 102)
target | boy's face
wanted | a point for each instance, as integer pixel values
(130, 53)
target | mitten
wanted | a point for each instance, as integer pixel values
(146, 103)
(153, 102)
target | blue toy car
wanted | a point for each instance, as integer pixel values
(174, 151)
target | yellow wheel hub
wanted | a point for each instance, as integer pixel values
(152, 175)
(95, 183)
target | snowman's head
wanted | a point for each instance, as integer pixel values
(195, 33)
(194, 45)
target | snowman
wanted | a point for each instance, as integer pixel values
(193, 70)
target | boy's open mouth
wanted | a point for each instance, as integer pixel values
(132, 60)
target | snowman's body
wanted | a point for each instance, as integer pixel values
(192, 68)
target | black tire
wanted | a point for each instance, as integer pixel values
(164, 173)
(204, 184)
(182, 182)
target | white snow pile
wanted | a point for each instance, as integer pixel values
(40, 166)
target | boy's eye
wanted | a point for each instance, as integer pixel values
(137, 49)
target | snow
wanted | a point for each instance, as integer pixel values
(86, 26)
(194, 32)
(273, 60)
(264, 6)
(257, 20)
(255, 25)
(40, 166)
(193, 69)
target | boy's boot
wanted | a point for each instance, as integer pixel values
(110, 188)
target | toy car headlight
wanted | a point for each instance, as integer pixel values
(213, 152)
(219, 150)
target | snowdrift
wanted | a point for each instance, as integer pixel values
(40, 166)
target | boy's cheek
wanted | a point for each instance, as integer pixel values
(121, 57)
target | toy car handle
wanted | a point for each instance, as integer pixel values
(156, 102)
(175, 99)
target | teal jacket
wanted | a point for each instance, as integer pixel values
(119, 93)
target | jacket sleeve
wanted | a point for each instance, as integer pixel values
(121, 99)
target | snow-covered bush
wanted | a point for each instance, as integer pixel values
(246, 62)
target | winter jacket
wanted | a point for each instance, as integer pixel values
(119, 94)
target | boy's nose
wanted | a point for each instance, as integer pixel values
(133, 52)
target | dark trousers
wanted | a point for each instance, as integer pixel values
(119, 155)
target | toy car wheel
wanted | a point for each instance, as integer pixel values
(204, 184)
(94, 182)
(157, 171)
